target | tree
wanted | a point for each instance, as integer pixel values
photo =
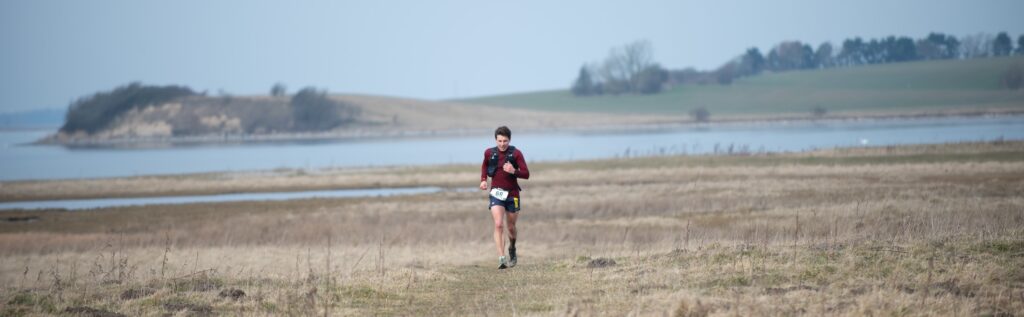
(636, 57)
(312, 110)
(941, 46)
(95, 113)
(726, 73)
(278, 90)
(752, 63)
(807, 57)
(852, 53)
(627, 69)
(823, 56)
(790, 55)
(651, 79)
(771, 62)
(928, 50)
(1020, 45)
(901, 49)
(584, 85)
(623, 64)
(1002, 45)
(952, 47)
(977, 45)
(938, 46)
(873, 52)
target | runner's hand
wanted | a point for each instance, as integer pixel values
(508, 168)
(483, 185)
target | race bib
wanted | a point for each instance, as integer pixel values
(499, 193)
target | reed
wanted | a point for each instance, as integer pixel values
(916, 230)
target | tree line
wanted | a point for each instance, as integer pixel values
(95, 113)
(631, 69)
(310, 109)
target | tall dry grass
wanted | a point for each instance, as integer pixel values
(906, 231)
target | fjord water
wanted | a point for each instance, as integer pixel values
(24, 162)
(77, 204)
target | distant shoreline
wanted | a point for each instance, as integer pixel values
(669, 122)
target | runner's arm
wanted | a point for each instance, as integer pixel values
(523, 171)
(483, 167)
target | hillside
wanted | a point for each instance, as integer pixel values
(900, 89)
(889, 89)
(205, 119)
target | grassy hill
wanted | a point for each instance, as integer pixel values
(914, 87)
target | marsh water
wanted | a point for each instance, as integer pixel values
(77, 204)
(26, 162)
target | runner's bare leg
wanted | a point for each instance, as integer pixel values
(512, 217)
(498, 213)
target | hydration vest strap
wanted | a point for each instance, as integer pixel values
(492, 164)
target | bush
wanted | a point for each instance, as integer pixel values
(312, 110)
(95, 113)
(819, 111)
(701, 114)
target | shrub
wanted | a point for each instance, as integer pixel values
(701, 114)
(819, 111)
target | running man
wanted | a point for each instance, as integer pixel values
(505, 165)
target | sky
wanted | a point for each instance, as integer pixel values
(54, 52)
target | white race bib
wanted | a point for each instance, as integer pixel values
(499, 193)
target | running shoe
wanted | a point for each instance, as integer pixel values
(511, 256)
(501, 263)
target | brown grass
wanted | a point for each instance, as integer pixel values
(917, 230)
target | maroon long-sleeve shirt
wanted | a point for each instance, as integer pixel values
(502, 179)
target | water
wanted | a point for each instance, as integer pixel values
(78, 204)
(19, 162)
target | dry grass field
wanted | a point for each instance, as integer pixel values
(910, 230)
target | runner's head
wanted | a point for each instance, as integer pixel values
(502, 135)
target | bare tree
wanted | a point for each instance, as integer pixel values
(977, 45)
(624, 64)
(637, 56)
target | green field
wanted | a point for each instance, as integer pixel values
(901, 88)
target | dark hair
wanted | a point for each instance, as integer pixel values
(502, 130)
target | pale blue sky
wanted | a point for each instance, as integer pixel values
(56, 51)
